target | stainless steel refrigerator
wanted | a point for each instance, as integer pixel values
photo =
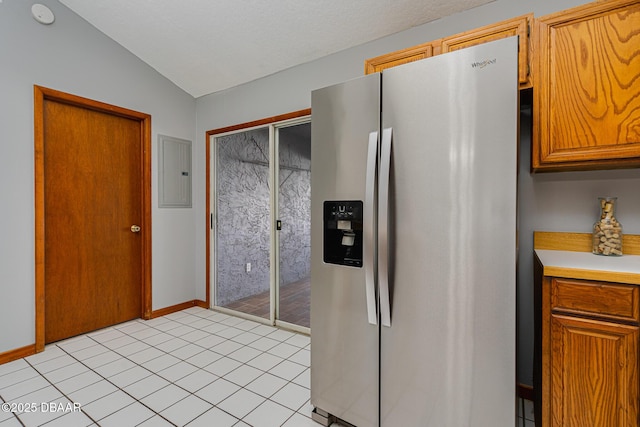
(413, 243)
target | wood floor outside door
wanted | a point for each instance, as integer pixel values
(95, 266)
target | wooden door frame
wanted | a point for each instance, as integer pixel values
(208, 135)
(42, 94)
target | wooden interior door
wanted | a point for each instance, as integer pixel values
(94, 184)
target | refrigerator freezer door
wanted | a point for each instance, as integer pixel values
(448, 358)
(344, 345)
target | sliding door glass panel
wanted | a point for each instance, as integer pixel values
(243, 222)
(294, 213)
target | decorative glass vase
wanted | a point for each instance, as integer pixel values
(607, 231)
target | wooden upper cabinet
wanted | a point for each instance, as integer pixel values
(512, 27)
(517, 26)
(587, 88)
(404, 56)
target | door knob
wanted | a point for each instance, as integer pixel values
(135, 228)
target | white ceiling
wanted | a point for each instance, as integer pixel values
(205, 46)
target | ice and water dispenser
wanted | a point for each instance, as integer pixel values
(343, 232)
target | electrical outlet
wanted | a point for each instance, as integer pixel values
(248, 267)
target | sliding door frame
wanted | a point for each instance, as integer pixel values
(284, 120)
(275, 235)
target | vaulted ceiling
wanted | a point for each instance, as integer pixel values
(205, 46)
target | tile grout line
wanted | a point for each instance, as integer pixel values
(107, 379)
(186, 320)
(93, 336)
(103, 378)
(299, 349)
(13, 413)
(60, 391)
(243, 387)
(151, 373)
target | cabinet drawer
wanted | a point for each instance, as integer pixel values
(599, 299)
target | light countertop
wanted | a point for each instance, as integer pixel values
(585, 265)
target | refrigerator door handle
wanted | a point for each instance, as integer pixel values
(369, 228)
(383, 227)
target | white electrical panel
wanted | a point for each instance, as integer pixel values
(174, 172)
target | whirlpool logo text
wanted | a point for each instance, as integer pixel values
(484, 63)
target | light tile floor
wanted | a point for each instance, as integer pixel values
(196, 367)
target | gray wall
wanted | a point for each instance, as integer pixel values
(554, 202)
(73, 57)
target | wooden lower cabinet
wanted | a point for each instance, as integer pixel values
(594, 375)
(587, 360)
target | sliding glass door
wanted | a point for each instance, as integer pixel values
(243, 229)
(294, 216)
(260, 254)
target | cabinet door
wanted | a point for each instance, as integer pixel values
(404, 56)
(594, 373)
(587, 79)
(513, 27)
